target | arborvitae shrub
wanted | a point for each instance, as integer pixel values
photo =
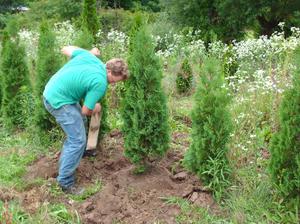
(285, 143)
(184, 77)
(85, 39)
(15, 76)
(4, 39)
(89, 16)
(48, 64)
(211, 128)
(146, 131)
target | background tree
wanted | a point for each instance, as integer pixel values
(89, 27)
(229, 19)
(3, 42)
(184, 77)
(15, 77)
(48, 64)
(285, 144)
(211, 128)
(89, 16)
(148, 5)
(146, 131)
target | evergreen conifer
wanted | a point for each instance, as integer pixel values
(146, 131)
(4, 39)
(48, 63)
(184, 77)
(89, 16)
(86, 39)
(211, 130)
(285, 143)
(15, 76)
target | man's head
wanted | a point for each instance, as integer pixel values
(117, 70)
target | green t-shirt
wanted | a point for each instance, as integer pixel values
(83, 77)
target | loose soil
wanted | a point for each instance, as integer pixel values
(125, 197)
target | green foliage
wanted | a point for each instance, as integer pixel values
(285, 143)
(85, 39)
(60, 214)
(147, 5)
(58, 9)
(211, 128)
(7, 5)
(137, 23)
(184, 77)
(117, 19)
(16, 154)
(229, 19)
(89, 16)
(89, 191)
(47, 64)
(190, 213)
(146, 131)
(5, 37)
(15, 76)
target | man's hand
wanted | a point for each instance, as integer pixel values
(88, 112)
(97, 108)
(68, 50)
(95, 51)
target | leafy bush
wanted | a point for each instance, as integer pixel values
(285, 143)
(211, 129)
(184, 77)
(146, 131)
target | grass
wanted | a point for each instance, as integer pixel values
(193, 214)
(89, 191)
(48, 214)
(17, 152)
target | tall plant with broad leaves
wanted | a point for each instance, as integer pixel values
(211, 128)
(144, 110)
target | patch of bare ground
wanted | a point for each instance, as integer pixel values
(125, 197)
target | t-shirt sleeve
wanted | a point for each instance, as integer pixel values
(77, 52)
(93, 96)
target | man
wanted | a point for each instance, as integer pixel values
(85, 77)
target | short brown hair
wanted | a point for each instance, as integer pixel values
(118, 67)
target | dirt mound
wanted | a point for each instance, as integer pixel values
(126, 197)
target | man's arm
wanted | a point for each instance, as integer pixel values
(86, 111)
(68, 50)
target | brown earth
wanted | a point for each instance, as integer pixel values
(125, 197)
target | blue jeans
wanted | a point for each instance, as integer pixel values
(73, 123)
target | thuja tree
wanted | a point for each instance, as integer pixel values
(4, 39)
(285, 143)
(86, 40)
(184, 77)
(48, 62)
(89, 16)
(15, 79)
(146, 131)
(211, 128)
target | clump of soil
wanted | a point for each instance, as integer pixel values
(126, 197)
